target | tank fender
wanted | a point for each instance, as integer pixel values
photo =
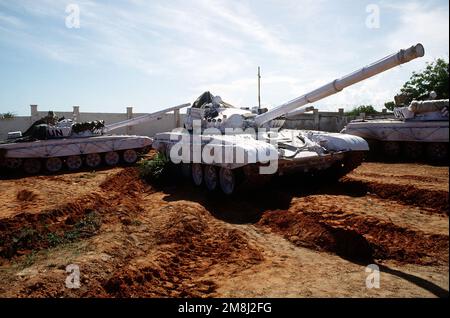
(344, 142)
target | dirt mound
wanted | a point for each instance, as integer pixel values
(189, 247)
(356, 237)
(192, 231)
(403, 177)
(26, 195)
(78, 219)
(30, 231)
(436, 200)
(126, 182)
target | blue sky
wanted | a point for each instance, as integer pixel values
(155, 54)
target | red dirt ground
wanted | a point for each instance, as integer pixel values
(296, 238)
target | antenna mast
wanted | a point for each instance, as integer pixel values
(259, 88)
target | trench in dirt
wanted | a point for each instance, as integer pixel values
(190, 241)
(357, 238)
(188, 248)
(432, 200)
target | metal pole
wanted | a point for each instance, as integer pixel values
(259, 88)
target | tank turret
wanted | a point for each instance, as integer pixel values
(423, 110)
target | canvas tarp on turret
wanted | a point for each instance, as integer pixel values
(428, 106)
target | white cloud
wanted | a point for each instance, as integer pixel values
(240, 18)
(418, 22)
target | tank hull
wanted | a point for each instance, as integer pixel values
(397, 130)
(74, 146)
(398, 140)
(73, 151)
(286, 152)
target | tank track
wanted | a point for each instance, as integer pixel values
(212, 177)
(402, 151)
(52, 165)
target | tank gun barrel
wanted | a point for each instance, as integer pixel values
(299, 111)
(401, 57)
(142, 119)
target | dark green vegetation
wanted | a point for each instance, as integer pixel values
(367, 109)
(153, 169)
(435, 77)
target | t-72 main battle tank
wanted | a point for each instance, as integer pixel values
(51, 142)
(222, 145)
(418, 131)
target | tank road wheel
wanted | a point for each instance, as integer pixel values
(391, 149)
(13, 163)
(197, 173)
(210, 177)
(112, 158)
(437, 151)
(32, 166)
(412, 150)
(74, 162)
(53, 164)
(93, 160)
(227, 180)
(130, 156)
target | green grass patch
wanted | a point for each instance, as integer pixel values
(153, 169)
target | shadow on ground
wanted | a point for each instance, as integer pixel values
(248, 204)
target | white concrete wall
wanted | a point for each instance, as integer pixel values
(166, 123)
(14, 124)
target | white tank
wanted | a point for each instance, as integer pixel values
(224, 146)
(53, 144)
(418, 132)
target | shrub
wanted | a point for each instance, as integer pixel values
(8, 115)
(154, 168)
(367, 109)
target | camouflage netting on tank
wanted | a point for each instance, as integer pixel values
(38, 130)
(203, 99)
(90, 125)
(419, 107)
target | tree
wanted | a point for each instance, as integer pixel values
(367, 109)
(435, 77)
(8, 115)
(389, 105)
